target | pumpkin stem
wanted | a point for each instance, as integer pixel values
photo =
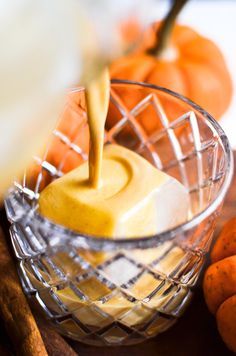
(166, 27)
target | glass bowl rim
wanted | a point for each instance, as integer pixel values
(106, 243)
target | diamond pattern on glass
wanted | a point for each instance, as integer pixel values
(138, 317)
(125, 294)
(115, 335)
(121, 270)
(160, 324)
(171, 259)
(72, 328)
(116, 304)
(145, 284)
(92, 317)
(93, 288)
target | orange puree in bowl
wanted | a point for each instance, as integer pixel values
(116, 194)
(119, 193)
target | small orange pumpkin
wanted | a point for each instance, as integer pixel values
(190, 64)
(219, 284)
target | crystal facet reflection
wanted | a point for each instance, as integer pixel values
(112, 292)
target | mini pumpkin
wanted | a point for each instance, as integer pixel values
(219, 284)
(189, 64)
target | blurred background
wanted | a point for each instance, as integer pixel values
(49, 46)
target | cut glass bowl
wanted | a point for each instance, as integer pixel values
(103, 291)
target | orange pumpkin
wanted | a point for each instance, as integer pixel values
(191, 65)
(219, 284)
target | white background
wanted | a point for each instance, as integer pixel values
(215, 19)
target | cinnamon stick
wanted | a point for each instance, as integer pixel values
(14, 309)
(55, 344)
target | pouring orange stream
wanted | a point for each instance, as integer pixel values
(124, 196)
(97, 98)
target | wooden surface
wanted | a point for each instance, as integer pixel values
(195, 334)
